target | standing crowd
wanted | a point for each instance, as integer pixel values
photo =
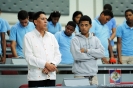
(84, 43)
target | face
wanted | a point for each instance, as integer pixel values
(69, 30)
(41, 22)
(77, 18)
(84, 27)
(55, 20)
(24, 23)
(129, 16)
(104, 19)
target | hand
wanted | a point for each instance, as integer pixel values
(112, 60)
(83, 50)
(3, 60)
(50, 67)
(105, 60)
(45, 71)
(120, 61)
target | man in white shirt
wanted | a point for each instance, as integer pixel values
(42, 54)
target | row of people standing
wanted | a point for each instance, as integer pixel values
(104, 27)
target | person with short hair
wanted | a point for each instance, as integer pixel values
(53, 22)
(17, 33)
(125, 39)
(64, 38)
(112, 30)
(101, 30)
(86, 49)
(42, 53)
(31, 14)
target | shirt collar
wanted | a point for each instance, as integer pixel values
(62, 32)
(98, 21)
(127, 27)
(38, 33)
(23, 26)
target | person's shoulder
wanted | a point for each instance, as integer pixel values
(58, 33)
(49, 34)
(30, 33)
(31, 24)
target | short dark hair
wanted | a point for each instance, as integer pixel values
(71, 23)
(76, 13)
(107, 7)
(129, 10)
(22, 15)
(37, 15)
(54, 14)
(31, 14)
(85, 18)
(107, 13)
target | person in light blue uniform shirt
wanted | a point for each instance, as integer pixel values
(53, 24)
(64, 38)
(125, 39)
(6, 24)
(101, 30)
(76, 17)
(3, 41)
(111, 24)
(17, 33)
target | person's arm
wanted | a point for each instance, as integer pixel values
(77, 54)
(113, 34)
(110, 49)
(3, 45)
(98, 52)
(113, 29)
(119, 50)
(13, 48)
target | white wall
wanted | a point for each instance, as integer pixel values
(88, 7)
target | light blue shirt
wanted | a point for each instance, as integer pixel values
(77, 29)
(64, 46)
(111, 24)
(17, 34)
(54, 28)
(126, 35)
(2, 29)
(6, 24)
(102, 32)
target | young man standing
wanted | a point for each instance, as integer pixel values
(125, 39)
(64, 38)
(101, 30)
(17, 33)
(86, 49)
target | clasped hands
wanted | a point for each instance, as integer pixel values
(49, 67)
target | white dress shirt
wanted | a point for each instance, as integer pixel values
(38, 50)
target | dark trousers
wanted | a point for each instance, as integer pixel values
(41, 83)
